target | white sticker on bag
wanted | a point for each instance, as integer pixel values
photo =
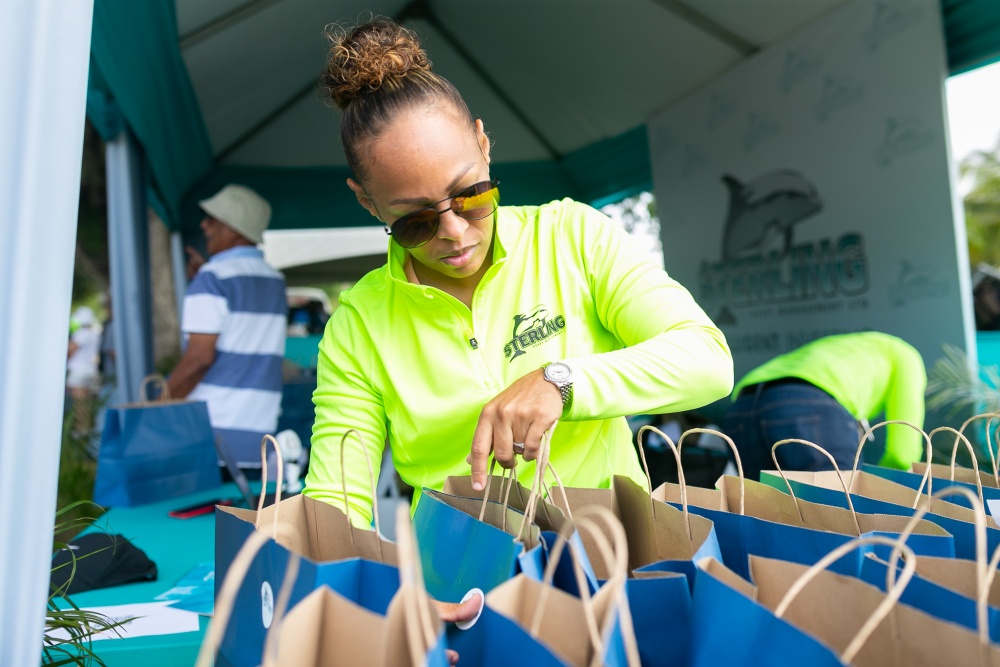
(266, 604)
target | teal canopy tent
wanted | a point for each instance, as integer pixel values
(226, 90)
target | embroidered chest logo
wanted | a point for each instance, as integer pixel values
(532, 328)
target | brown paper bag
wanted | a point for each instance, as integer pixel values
(327, 630)
(575, 629)
(836, 609)
(750, 498)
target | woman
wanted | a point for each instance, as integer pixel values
(487, 324)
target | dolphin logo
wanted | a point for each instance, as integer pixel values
(770, 204)
(533, 319)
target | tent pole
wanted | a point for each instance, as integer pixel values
(179, 269)
(41, 148)
(128, 260)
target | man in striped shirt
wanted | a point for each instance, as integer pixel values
(234, 318)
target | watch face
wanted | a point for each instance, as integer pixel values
(557, 372)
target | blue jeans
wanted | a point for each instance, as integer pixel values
(764, 414)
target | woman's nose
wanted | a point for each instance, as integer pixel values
(451, 225)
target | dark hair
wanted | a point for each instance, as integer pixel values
(374, 71)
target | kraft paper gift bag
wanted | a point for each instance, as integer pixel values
(796, 615)
(962, 591)
(480, 540)
(874, 494)
(155, 450)
(751, 518)
(529, 622)
(327, 629)
(355, 562)
(946, 476)
(663, 544)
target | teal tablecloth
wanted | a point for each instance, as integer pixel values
(175, 545)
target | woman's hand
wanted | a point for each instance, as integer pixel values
(521, 413)
(456, 612)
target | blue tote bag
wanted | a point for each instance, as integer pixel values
(482, 541)
(354, 562)
(663, 544)
(949, 588)
(751, 518)
(531, 622)
(154, 451)
(794, 615)
(945, 476)
(876, 495)
(327, 628)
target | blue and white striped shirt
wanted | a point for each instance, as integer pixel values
(239, 297)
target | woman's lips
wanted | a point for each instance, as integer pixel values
(461, 259)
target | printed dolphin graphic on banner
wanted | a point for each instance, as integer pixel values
(770, 204)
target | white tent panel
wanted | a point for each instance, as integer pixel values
(289, 248)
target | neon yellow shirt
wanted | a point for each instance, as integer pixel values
(868, 373)
(415, 364)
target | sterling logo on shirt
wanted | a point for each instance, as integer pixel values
(532, 328)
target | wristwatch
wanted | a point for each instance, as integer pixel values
(561, 375)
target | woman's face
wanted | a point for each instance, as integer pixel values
(425, 156)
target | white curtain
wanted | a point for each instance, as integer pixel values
(44, 48)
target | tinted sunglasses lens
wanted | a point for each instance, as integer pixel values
(477, 202)
(415, 229)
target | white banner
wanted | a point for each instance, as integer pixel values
(808, 192)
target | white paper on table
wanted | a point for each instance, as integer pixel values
(993, 507)
(151, 618)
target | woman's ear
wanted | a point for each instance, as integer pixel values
(363, 197)
(483, 139)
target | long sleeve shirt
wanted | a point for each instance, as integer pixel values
(415, 364)
(868, 373)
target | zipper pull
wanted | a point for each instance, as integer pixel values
(473, 343)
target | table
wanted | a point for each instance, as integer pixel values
(175, 545)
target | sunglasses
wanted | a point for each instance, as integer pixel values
(473, 203)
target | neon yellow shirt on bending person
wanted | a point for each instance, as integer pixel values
(869, 374)
(415, 364)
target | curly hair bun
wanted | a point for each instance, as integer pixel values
(370, 56)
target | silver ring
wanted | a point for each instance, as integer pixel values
(519, 448)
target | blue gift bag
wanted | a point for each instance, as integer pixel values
(459, 552)
(937, 599)
(531, 622)
(356, 563)
(875, 495)
(793, 615)
(947, 588)
(771, 525)
(730, 628)
(155, 451)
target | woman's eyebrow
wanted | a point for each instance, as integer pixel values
(451, 188)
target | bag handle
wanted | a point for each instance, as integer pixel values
(989, 417)
(537, 481)
(421, 632)
(840, 476)
(226, 599)
(263, 483)
(151, 379)
(615, 553)
(507, 473)
(732, 447)
(680, 474)
(930, 455)
(880, 612)
(960, 437)
(545, 464)
(371, 478)
(983, 582)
